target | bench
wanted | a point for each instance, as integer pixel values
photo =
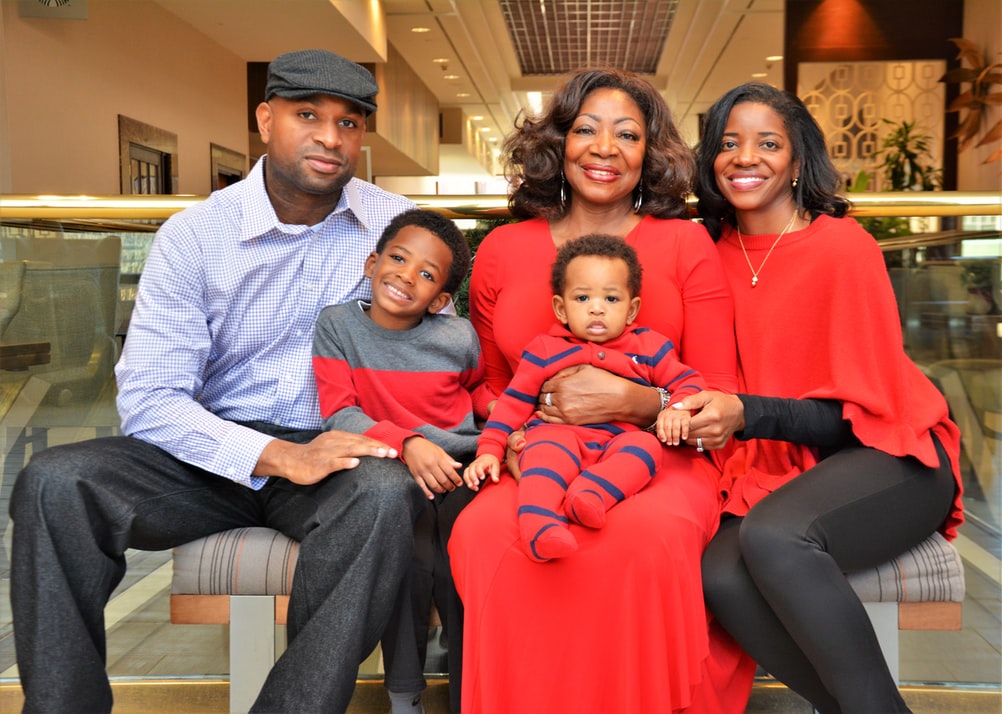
(243, 577)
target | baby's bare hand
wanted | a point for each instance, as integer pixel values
(673, 425)
(483, 467)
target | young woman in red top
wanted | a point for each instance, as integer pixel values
(844, 454)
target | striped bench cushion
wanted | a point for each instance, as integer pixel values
(243, 561)
(260, 561)
(932, 571)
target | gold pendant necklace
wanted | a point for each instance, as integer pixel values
(754, 273)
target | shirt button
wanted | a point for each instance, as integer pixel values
(601, 355)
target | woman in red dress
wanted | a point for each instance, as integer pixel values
(620, 626)
(845, 454)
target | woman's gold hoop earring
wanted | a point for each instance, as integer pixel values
(563, 190)
(639, 201)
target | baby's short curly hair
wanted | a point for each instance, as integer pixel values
(601, 245)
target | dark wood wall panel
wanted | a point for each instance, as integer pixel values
(876, 30)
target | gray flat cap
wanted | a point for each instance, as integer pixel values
(304, 73)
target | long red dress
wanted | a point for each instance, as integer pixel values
(620, 626)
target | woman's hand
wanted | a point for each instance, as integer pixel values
(588, 395)
(716, 416)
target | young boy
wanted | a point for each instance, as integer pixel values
(580, 472)
(398, 371)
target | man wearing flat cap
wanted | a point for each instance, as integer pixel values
(220, 418)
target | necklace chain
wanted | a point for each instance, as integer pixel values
(754, 273)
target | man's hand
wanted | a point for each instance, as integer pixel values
(310, 463)
(432, 468)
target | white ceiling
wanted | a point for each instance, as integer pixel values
(712, 46)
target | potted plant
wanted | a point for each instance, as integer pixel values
(904, 155)
(976, 100)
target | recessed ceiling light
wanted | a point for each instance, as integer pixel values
(477, 117)
(492, 139)
(420, 29)
(462, 94)
(450, 76)
(485, 128)
(535, 100)
(760, 74)
(774, 58)
(440, 60)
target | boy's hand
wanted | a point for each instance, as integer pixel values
(673, 425)
(480, 469)
(432, 468)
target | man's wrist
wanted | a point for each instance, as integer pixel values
(274, 454)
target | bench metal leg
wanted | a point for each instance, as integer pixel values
(884, 616)
(252, 648)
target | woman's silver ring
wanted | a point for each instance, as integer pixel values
(547, 401)
(699, 445)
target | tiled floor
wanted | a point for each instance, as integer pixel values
(143, 644)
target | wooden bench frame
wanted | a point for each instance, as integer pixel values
(889, 618)
(252, 620)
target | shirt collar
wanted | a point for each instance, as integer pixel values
(265, 220)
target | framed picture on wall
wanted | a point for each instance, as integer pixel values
(227, 167)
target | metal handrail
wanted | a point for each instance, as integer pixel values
(41, 207)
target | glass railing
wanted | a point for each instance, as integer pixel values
(71, 264)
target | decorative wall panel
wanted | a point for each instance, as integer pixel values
(850, 100)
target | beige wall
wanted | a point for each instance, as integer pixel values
(63, 84)
(983, 27)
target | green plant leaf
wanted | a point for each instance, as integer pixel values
(860, 183)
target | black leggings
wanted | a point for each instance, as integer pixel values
(775, 578)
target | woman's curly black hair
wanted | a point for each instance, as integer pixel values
(534, 152)
(818, 181)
